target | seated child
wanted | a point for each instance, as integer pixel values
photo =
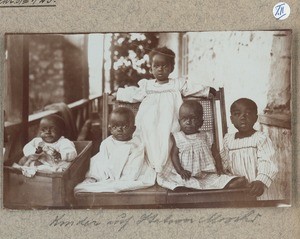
(249, 152)
(192, 163)
(120, 163)
(51, 151)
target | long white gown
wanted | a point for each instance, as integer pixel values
(119, 166)
(157, 116)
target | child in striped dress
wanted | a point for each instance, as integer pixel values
(192, 163)
(249, 152)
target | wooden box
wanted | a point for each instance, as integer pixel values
(46, 189)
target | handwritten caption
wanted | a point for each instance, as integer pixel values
(27, 3)
(123, 220)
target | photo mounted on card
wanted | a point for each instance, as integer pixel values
(147, 120)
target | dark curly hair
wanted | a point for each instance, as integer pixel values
(57, 120)
(164, 51)
(124, 111)
(250, 103)
(195, 105)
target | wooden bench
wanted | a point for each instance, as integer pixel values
(158, 197)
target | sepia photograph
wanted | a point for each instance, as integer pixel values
(132, 120)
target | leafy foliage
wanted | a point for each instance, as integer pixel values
(130, 57)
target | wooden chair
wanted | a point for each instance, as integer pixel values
(156, 196)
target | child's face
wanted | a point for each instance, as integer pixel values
(243, 117)
(161, 67)
(190, 121)
(49, 131)
(120, 127)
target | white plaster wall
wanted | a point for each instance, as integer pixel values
(249, 64)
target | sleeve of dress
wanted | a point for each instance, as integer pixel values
(133, 94)
(266, 166)
(67, 150)
(225, 154)
(30, 147)
(193, 88)
(99, 164)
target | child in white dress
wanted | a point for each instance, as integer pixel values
(160, 100)
(51, 151)
(192, 164)
(249, 152)
(120, 164)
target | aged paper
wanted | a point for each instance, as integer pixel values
(62, 16)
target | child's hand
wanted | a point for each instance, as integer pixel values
(257, 188)
(219, 168)
(39, 150)
(56, 155)
(220, 171)
(185, 174)
(212, 91)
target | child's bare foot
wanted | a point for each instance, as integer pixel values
(239, 182)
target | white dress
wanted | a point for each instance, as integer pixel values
(157, 116)
(64, 146)
(119, 166)
(195, 156)
(252, 157)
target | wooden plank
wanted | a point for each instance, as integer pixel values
(223, 111)
(19, 191)
(154, 195)
(207, 196)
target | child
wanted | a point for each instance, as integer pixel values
(160, 100)
(50, 149)
(120, 164)
(249, 152)
(192, 163)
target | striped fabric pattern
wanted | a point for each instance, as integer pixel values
(252, 157)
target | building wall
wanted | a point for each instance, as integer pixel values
(255, 65)
(281, 139)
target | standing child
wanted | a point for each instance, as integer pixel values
(249, 152)
(51, 149)
(120, 164)
(160, 100)
(192, 163)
